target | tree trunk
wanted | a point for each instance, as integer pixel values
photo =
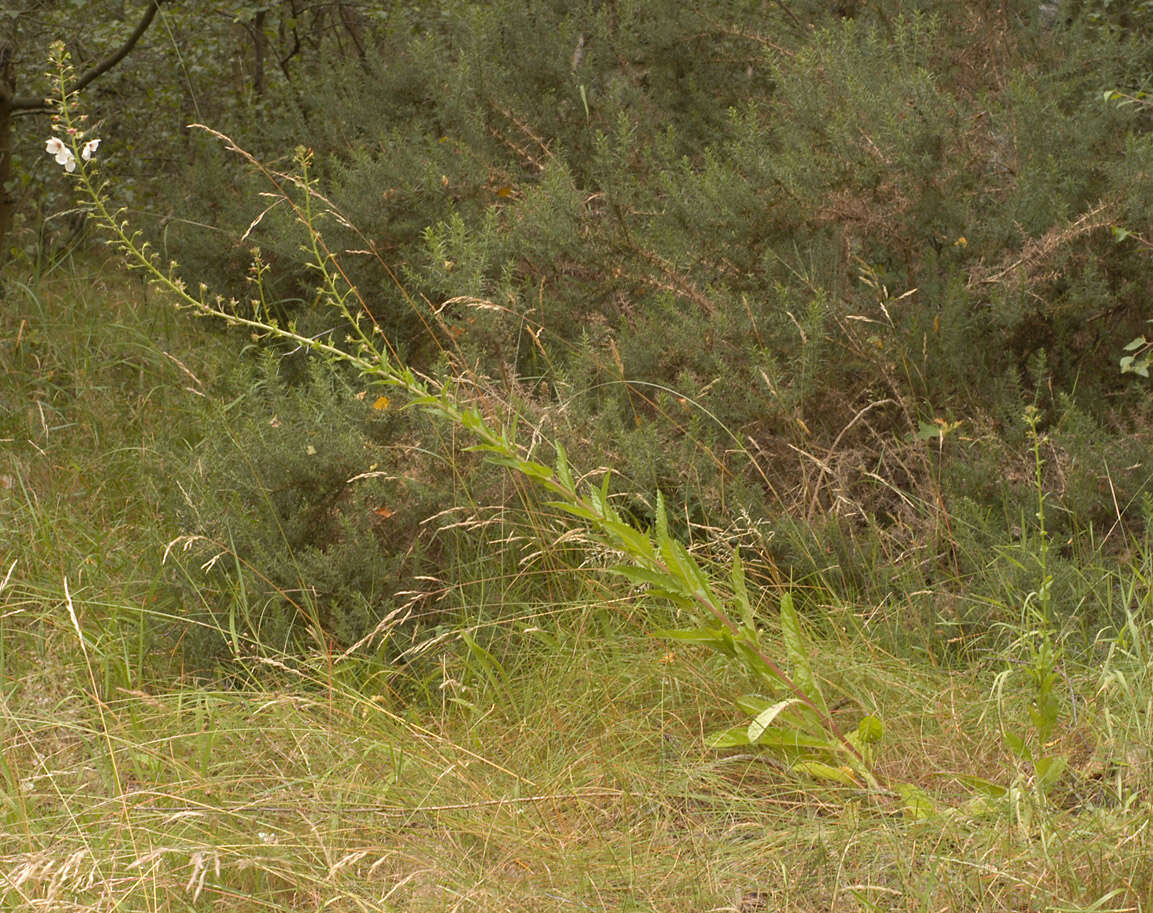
(7, 93)
(258, 53)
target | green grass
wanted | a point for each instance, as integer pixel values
(556, 763)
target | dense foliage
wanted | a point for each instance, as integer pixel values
(661, 457)
(799, 265)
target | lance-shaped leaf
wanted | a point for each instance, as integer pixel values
(781, 741)
(563, 472)
(741, 593)
(765, 718)
(804, 730)
(734, 737)
(717, 638)
(1049, 770)
(821, 771)
(794, 639)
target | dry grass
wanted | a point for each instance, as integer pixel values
(599, 796)
(577, 779)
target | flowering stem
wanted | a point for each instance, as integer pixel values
(372, 355)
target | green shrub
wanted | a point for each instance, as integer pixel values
(303, 504)
(745, 254)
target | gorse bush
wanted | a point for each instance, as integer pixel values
(313, 507)
(293, 503)
(749, 274)
(757, 268)
(746, 255)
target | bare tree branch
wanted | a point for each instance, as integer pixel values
(31, 103)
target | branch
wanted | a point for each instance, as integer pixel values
(31, 103)
(793, 16)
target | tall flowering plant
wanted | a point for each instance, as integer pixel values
(788, 715)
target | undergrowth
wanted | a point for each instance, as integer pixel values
(929, 714)
(559, 761)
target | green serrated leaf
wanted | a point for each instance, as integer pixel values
(719, 639)
(676, 560)
(794, 739)
(563, 473)
(791, 631)
(706, 636)
(577, 510)
(534, 470)
(741, 593)
(662, 530)
(632, 540)
(642, 575)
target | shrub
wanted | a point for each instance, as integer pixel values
(303, 503)
(745, 255)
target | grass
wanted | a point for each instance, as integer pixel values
(557, 764)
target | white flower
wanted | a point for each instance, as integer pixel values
(64, 156)
(89, 149)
